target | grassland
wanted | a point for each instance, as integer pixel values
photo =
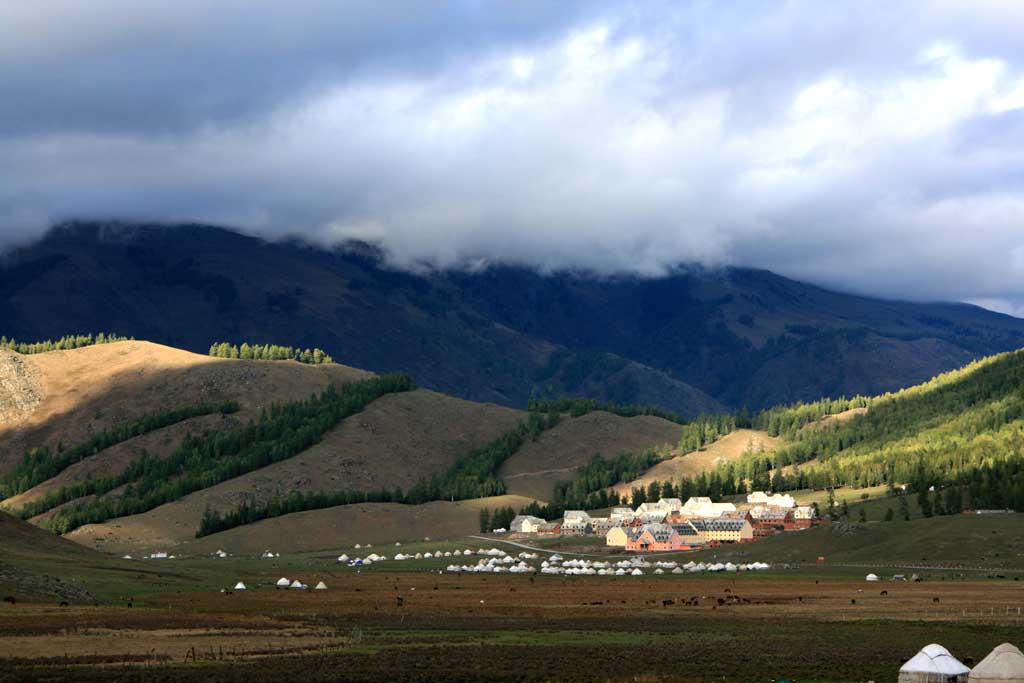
(504, 628)
(535, 469)
(167, 620)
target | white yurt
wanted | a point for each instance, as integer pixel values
(933, 664)
(283, 582)
(321, 586)
(239, 586)
(871, 577)
(1005, 664)
(298, 585)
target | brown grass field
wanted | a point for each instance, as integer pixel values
(85, 390)
(514, 628)
(535, 469)
(727, 449)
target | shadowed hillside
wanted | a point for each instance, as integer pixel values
(503, 334)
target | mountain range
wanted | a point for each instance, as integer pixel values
(696, 340)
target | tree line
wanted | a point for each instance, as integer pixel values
(40, 464)
(269, 352)
(578, 407)
(281, 432)
(67, 342)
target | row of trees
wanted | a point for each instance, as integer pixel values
(269, 352)
(40, 464)
(71, 341)
(578, 407)
(250, 512)
(500, 518)
(203, 461)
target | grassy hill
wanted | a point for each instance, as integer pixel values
(98, 422)
(79, 392)
(727, 449)
(959, 541)
(35, 564)
(535, 469)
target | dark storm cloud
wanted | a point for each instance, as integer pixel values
(871, 146)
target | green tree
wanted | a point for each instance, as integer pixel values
(485, 520)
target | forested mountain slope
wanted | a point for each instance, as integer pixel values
(689, 342)
(956, 441)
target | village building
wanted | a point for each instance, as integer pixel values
(621, 514)
(653, 538)
(618, 536)
(553, 528)
(771, 519)
(779, 500)
(651, 518)
(803, 516)
(576, 516)
(600, 525)
(701, 506)
(664, 507)
(576, 527)
(689, 537)
(525, 524)
(715, 530)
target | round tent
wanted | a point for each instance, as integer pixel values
(871, 577)
(239, 586)
(1005, 664)
(321, 586)
(933, 664)
(283, 582)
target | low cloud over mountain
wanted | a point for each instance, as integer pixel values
(879, 150)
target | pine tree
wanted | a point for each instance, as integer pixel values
(485, 520)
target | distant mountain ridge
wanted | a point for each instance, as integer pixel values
(697, 340)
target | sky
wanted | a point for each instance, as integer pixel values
(873, 147)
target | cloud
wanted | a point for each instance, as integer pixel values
(877, 149)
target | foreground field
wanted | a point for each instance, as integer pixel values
(515, 628)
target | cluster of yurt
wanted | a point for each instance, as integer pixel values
(935, 664)
(283, 582)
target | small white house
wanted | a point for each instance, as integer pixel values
(525, 524)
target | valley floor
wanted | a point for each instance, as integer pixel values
(808, 625)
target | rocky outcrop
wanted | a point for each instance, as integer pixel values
(19, 387)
